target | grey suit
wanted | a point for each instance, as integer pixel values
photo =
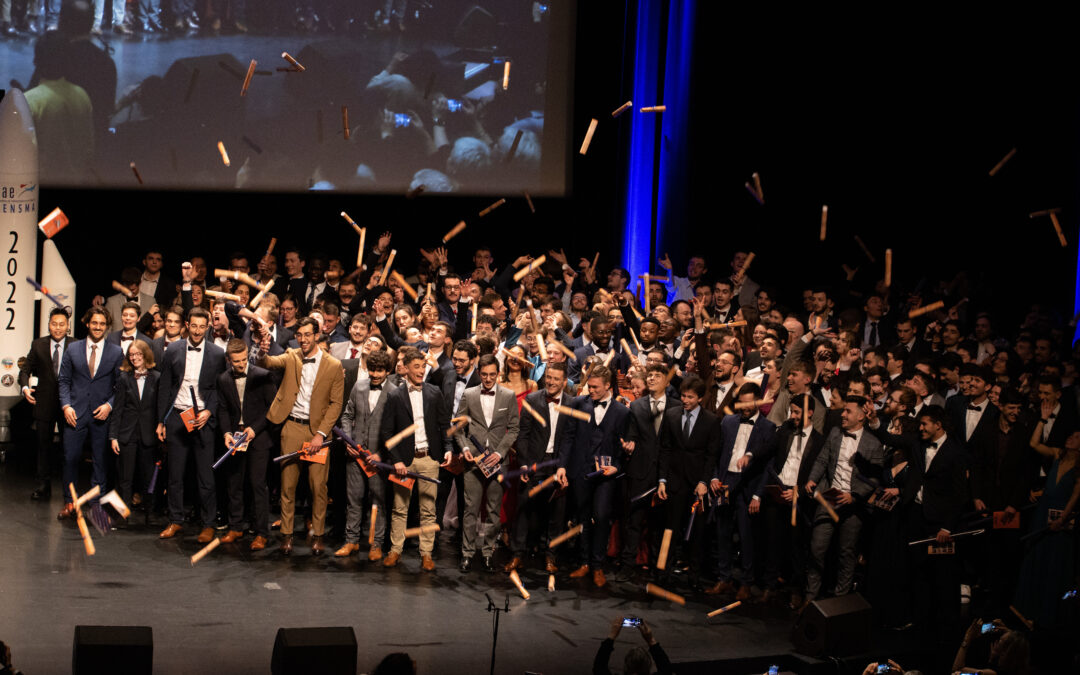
(498, 436)
(362, 423)
(869, 452)
(115, 303)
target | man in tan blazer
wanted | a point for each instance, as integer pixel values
(308, 404)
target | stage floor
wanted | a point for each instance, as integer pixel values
(223, 614)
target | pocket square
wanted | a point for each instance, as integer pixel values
(501, 409)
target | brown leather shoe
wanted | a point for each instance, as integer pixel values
(375, 554)
(744, 593)
(67, 512)
(515, 563)
(346, 550)
(317, 545)
(721, 587)
(286, 545)
(392, 559)
(171, 531)
(231, 536)
(259, 543)
(206, 536)
(599, 579)
(427, 563)
(579, 572)
(550, 566)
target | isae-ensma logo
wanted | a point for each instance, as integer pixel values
(18, 199)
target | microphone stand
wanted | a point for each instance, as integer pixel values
(492, 607)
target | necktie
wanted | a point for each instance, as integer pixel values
(657, 415)
(686, 425)
(56, 359)
(801, 434)
(487, 392)
(352, 352)
(976, 408)
(873, 334)
(237, 376)
(311, 360)
(93, 360)
(310, 294)
(849, 435)
(601, 404)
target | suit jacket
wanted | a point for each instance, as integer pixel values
(956, 409)
(449, 386)
(327, 394)
(115, 302)
(38, 363)
(172, 376)
(863, 484)
(398, 415)
(258, 395)
(760, 446)
(135, 417)
(944, 484)
(785, 441)
(352, 375)
(642, 466)
(533, 437)
(446, 313)
(164, 294)
(684, 462)
(360, 420)
(999, 478)
(78, 389)
(709, 402)
(499, 436)
(158, 346)
(584, 441)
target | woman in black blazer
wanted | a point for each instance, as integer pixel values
(133, 422)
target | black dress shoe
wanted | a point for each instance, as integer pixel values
(488, 565)
(626, 574)
(466, 565)
(41, 493)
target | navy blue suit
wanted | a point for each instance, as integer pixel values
(179, 442)
(85, 394)
(583, 443)
(741, 488)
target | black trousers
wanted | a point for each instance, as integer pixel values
(135, 465)
(182, 444)
(935, 587)
(788, 548)
(539, 519)
(594, 501)
(46, 446)
(248, 469)
(638, 518)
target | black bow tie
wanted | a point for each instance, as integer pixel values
(848, 434)
(977, 408)
(601, 404)
(553, 399)
(463, 379)
(375, 387)
(602, 350)
(194, 349)
(125, 339)
(930, 446)
(311, 360)
(238, 376)
(487, 392)
(746, 420)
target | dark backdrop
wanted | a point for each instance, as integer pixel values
(892, 120)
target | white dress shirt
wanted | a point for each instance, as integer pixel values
(1049, 424)
(373, 397)
(973, 416)
(459, 387)
(931, 452)
(140, 382)
(553, 416)
(789, 475)
(125, 345)
(722, 391)
(487, 404)
(416, 398)
(844, 462)
(98, 348)
(192, 368)
(599, 412)
(302, 407)
(241, 387)
(742, 438)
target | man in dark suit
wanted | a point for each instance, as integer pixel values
(451, 307)
(493, 428)
(837, 470)
(245, 393)
(463, 361)
(1061, 422)
(587, 446)
(797, 448)
(43, 362)
(129, 330)
(720, 387)
(192, 365)
(423, 404)
(362, 420)
(747, 440)
(155, 282)
(972, 416)
(602, 343)
(540, 515)
(642, 447)
(935, 496)
(88, 371)
(689, 438)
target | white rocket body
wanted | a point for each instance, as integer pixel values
(18, 244)
(55, 277)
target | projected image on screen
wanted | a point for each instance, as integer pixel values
(379, 95)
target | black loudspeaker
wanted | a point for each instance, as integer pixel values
(311, 651)
(113, 649)
(834, 627)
